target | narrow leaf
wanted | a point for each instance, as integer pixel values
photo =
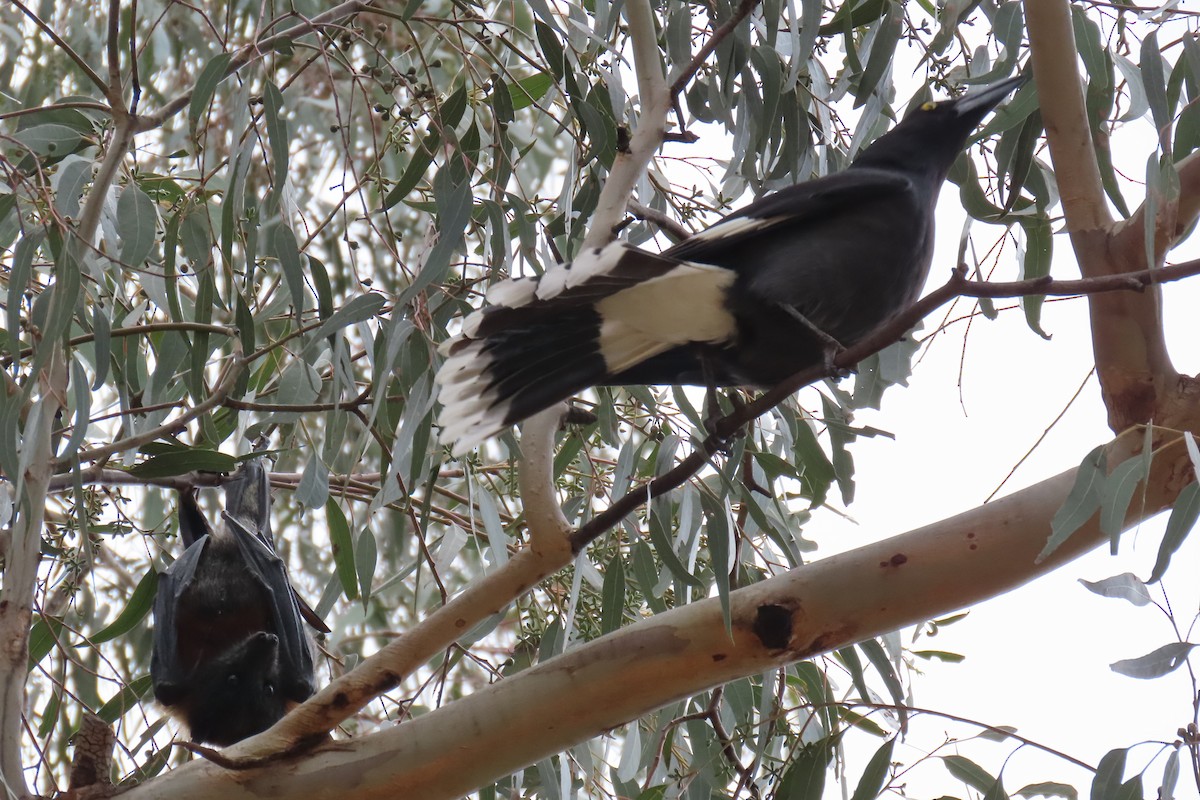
(871, 783)
(1125, 586)
(1181, 522)
(137, 221)
(1082, 502)
(182, 461)
(141, 600)
(343, 548)
(1115, 495)
(1048, 789)
(612, 605)
(969, 772)
(1039, 249)
(1159, 662)
(206, 86)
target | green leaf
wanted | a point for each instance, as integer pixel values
(612, 596)
(183, 461)
(940, 655)
(137, 221)
(1155, 664)
(1039, 247)
(214, 72)
(1109, 771)
(872, 781)
(1116, 493)
(358, 309)
(996, 792)
(1125, 586)
(969, 772)
(1166, 789)
(343, 548)
(805, 778)
(20, 272)
(1181, 522)
(139, 605)
(286, 250)
(1154, 81)
(1048, 789)
(43, 637)
(528, 91)
(73, 174)
(277, 133)
(81, 406)
(883, 665)
(366, 556)
(313, 490)
(852, 15)
(452, 194)
(49, 139)
(1139, 104)
(1081, 504)
(128, 698)
(883, 53)
(720, 548)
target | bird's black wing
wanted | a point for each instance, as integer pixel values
(797, 205)
(167, 673)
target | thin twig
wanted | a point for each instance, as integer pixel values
(224, 387)
(630, 164)
(680, 82)
(62, 45)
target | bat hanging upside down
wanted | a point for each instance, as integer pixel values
(231, 655)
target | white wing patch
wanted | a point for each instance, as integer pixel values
(467, 416)
(587, 265)
(733, 227)
(686, 304)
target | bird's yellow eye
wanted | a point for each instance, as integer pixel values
(928, 105)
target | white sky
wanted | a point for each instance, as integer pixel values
(1037, 658)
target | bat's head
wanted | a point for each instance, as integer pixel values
(233, 695)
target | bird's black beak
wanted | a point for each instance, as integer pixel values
(979, 103)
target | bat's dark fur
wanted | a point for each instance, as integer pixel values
(231, 654)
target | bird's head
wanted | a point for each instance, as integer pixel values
(931, 136)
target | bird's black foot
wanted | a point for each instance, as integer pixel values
(831, 348)
(713, 416)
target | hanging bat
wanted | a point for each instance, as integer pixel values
(231, 655)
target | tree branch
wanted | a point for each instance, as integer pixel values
(248, 53)
(630, 164)
(1129, 236)
(680, 81)
(1060, 91)
(61, 44)
(676, 229)
(1137, 379)
(892, 332)
(224, 386)
(547, 552)
(919, 575)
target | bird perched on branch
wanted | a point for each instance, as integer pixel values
(231, 654)
(757, 297)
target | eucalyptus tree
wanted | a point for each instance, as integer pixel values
(224, 224)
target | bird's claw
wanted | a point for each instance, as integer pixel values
(713, 417)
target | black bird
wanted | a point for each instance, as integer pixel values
(231, 655)
(747, 302)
